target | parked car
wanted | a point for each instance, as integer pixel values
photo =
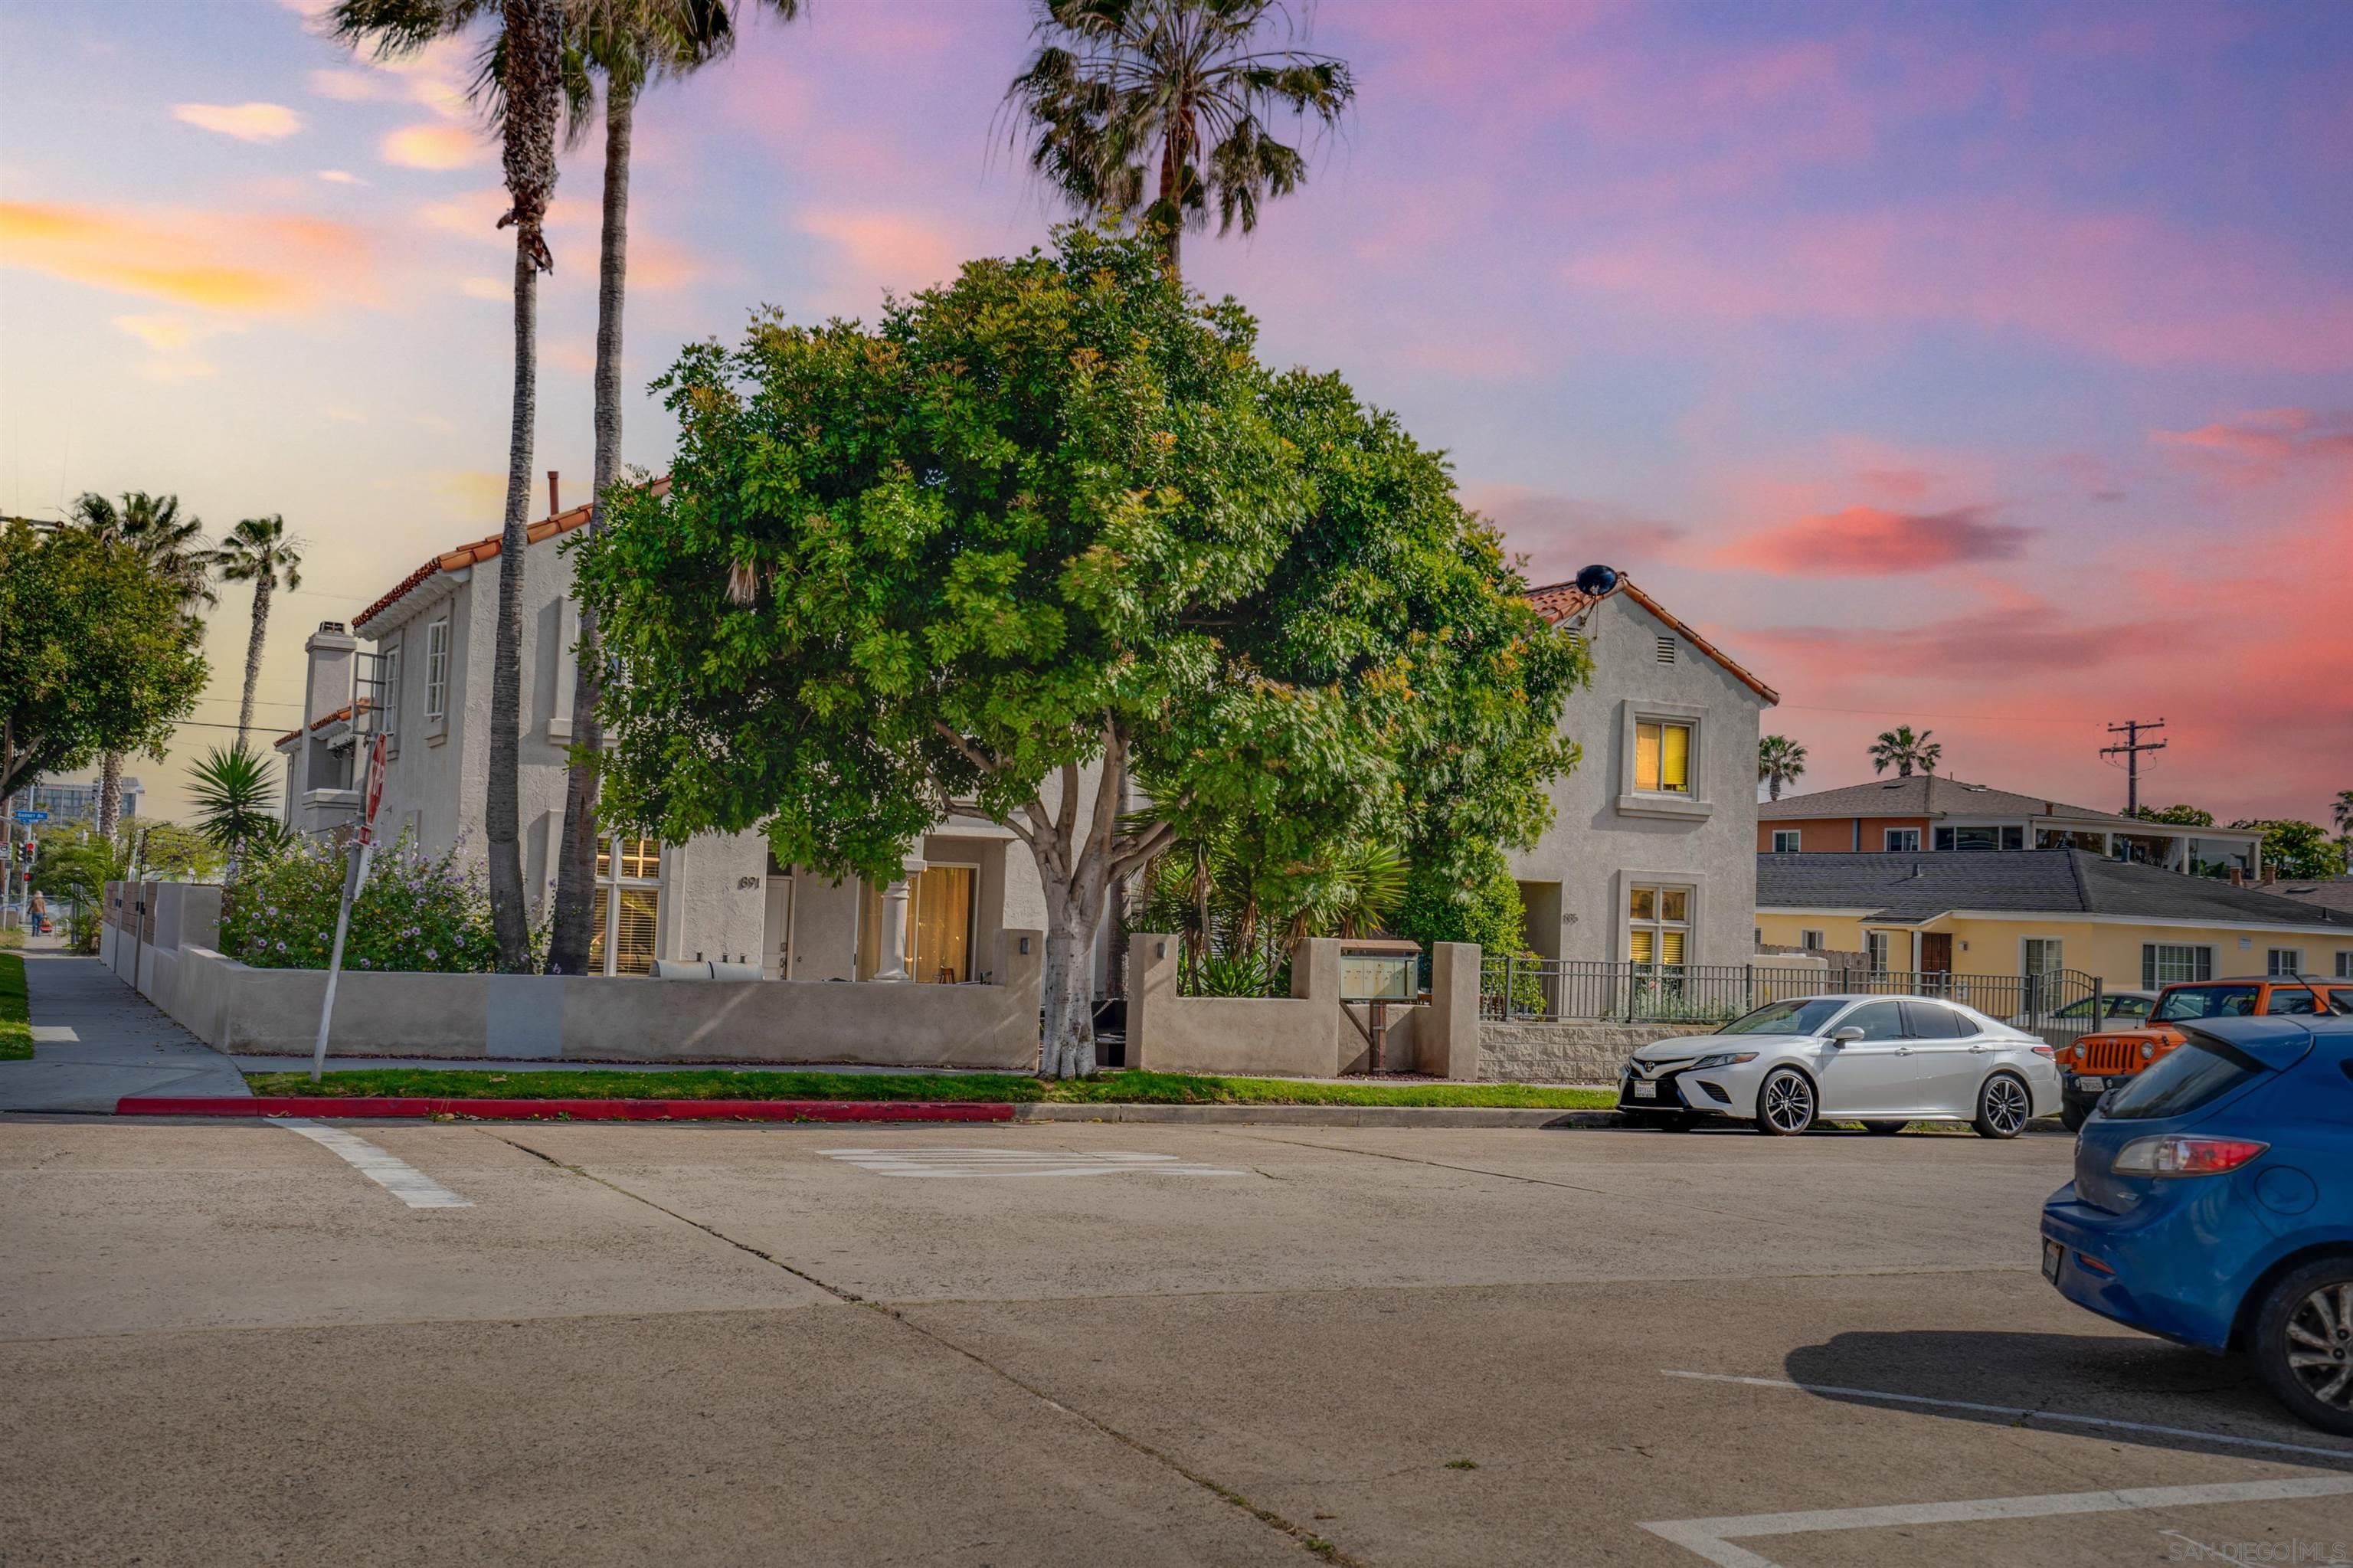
(1883, 1061)
(2213, 1205)
(2096, 1061)
(2118, 1009)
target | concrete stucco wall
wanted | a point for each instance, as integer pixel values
(1604, 840)
(1572, 1052)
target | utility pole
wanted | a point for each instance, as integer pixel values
(2130, 748)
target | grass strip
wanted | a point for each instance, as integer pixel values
(15, 1012)
(992, 1088)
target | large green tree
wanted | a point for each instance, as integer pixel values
(2297, 849)
(1042, 528)
(2182, 816)
(172, 545)
(97, 653)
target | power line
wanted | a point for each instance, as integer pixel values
(2130, 748)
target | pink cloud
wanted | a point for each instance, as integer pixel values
(884, 249)
(1559, 534)
(1871, 542)
(2258, 447)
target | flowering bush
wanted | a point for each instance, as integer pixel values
(415, 912)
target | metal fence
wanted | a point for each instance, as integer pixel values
(1536, 991)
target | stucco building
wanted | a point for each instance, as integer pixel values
(1926, 811)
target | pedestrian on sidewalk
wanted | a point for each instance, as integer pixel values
(39, 909)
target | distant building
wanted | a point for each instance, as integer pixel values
(1932, 813)
(76, 802)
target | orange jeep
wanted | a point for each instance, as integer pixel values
(2097, 1061)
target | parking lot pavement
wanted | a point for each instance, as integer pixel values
(1093, 1344)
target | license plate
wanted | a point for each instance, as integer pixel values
(2091, 1086)
(1646, 1091)
(2052, 1254)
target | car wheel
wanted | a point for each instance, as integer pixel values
(1785, 1103)
(1884, 1129)
(2304, 1343)
(2074, 1114)
(2004, 1106)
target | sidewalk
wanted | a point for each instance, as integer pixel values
(96, 1040)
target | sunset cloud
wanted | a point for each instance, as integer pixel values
(890, 250)
(431, 146)
(1560, 534)
(252, 264)
(2260, 446)
(1872, 542)
(246, 122)
(341, 177)
(167, 335)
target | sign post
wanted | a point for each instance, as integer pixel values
(360, 853)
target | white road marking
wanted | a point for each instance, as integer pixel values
(1713, 1538)
(962, 1162)
(397, 1177)
(2019, 1414)
(55, 1034)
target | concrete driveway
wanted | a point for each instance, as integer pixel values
(1086, 1345)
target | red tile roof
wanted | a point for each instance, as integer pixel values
(1558, 601)
(339, 713)
(482, 550)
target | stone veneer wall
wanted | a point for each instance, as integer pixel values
(1570, 1051)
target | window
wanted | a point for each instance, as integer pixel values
(2203, 1071)
(2283, 961)
(1666, 650)
(436, 670)
(2013, 837)
(1875, 944)
(626, 915)
(2172, 963)
(1900, 841)
(1658, 925)
(1877, 1019)
(1980, 838)
(2042, 956)
(1662, 757)
(2205, 1002)
(1812, 941)
(1787, 840)
(2345, 965)
(1926, 1021)
(940, 921)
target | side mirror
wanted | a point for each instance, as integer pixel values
(1852, 1032)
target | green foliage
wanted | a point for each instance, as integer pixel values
(15, 1012)
(719, 1084)
(1483, 908)
(236, 797)
(1901, 749)
(1054, 516)
(167, 852)
(1781, 761)
(2179, 815)
(416, 911)
(1259, 910)
(97, 653)
(2297, 849)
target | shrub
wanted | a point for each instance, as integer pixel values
(416, 911)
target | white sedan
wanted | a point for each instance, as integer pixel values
(1883, 1061)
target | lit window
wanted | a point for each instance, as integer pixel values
(1658, 925)
(940, 920)
(436, 668)
(625, 916)
(1786, 841)
(1662, 757)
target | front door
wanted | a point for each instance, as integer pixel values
(1935, 959)
(776, 931)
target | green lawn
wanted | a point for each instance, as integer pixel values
(721, 1084)
(16, 1011)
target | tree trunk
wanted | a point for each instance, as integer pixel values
(261, 586)
(576, 873)
(1068, 1050)
(1169, 199)
(110, 794)
(532, 75)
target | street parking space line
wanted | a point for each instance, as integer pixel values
(1713, 1538)
(953, 1163)
(396, 1176)
(2019, 1414)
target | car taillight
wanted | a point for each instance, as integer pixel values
(2177, 1155)
(2040, 1050)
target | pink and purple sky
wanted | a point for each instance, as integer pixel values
(1987, 368)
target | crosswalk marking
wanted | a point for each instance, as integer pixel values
(396, 1176)
(962, 1162)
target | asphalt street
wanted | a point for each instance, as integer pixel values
(1086, 1345)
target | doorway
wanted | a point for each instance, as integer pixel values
(776, 931)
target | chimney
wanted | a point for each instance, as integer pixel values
(327, 680)
(555, 495)
(2271, 875)
(2238, 877)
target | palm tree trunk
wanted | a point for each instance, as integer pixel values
(532, 78)
(110, 794)
(261, 586)
(575, 875)
(1169, 200)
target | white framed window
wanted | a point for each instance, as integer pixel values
(1900, 841)
(2174, 963)
(1874, 946)
(437, 671)
(1786, 841)
(2041, 956)
(1813, 941)
(2283, 961)
(1658, 926)
(1662, 757)
(627, 914)
(2345, 964)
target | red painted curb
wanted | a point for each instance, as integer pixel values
(573, 1110)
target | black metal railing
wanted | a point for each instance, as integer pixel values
(1514, 990)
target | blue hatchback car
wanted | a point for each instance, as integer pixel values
(2213, 1205)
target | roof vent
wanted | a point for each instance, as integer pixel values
(1666, 650)
(334, 628)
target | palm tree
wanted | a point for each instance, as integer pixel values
(631, 44)
(1901, 749)
(1779, 760)
(260, 551)
(1186, 86)
(235, 797)
(174, 548)
(520, 86)
(2343, 810)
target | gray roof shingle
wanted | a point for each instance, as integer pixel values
(1932, 795)
(1908, 887)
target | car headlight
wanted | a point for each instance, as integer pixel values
(1724, 1059)
(2147, 1052)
